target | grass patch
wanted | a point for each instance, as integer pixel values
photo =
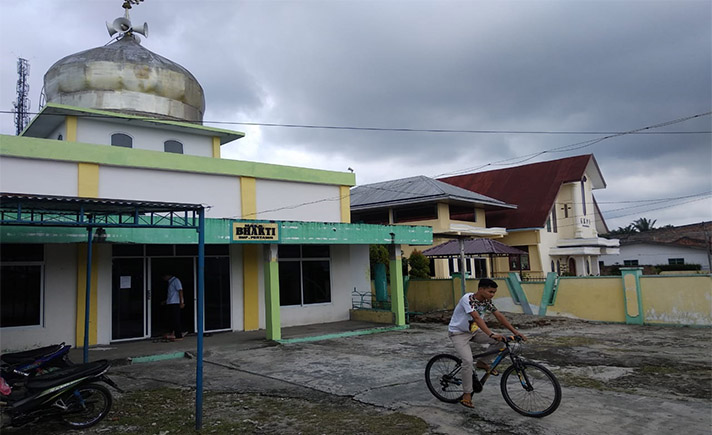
(581, 382)
(172, 411)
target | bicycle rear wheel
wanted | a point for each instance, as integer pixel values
(443, 377)
(530, 389)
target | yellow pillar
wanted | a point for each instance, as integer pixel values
(81, 296)
(345, 195)
(71, 124)
(216, 147)
(250, 255)
(87, 180)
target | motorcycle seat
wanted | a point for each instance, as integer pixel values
(68, 374)
(32, 354)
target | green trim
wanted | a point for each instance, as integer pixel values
(342, 334)
(161, 357)
(515, 289)
(397, 293)
(219, 231)
(47, 149)
(272, 308)
(548, 297)
(53, 109)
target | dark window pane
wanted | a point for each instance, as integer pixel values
(460, 213)
(217, 293)
(289, 283)
(20, 295)
(315, 251)
(216, 249)
(188, 250)
(373, 217)
(21, 252)
(173, 146)
(121, 140)
(127, 250)
(159, 250)
(425, 212)
(317, 282)
(289, 251)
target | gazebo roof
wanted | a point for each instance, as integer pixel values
(472, 247)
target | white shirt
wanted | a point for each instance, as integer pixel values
(461, 317)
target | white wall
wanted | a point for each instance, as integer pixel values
(60, 299)
(99, 132)
(341, 288)
(38, 177)
(656, 254)
(236, 288)
(221, 193)
(283, 200)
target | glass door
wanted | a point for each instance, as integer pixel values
(128, 299)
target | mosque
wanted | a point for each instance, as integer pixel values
(103, 191)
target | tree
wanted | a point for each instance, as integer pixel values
(419, 265)
(644, 224)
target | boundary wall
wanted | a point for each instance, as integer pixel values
(632, 298)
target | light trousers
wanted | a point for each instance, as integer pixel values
(461, 341)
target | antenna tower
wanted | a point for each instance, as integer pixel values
(21, 107)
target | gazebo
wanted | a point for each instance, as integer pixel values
(461, 248)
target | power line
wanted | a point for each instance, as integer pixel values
(410, 130)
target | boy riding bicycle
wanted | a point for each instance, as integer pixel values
(467, 324)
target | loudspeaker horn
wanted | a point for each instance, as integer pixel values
(143, 29)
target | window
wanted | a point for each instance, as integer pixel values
(21, 285)
(583, 195)
(553, 219)
(422, 213)
(304, 275)
(373, 217)
(173, 146)
(630, 262)
(519, 262)
(676, 261)
(460, 213)
(121, 140)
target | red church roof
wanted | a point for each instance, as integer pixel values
(533, 188)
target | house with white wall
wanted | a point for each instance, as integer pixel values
(557, 220)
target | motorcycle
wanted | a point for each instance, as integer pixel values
(17, 366)
(70, 395)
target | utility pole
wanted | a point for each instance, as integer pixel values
(21, 107)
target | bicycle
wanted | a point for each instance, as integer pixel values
(528, 387)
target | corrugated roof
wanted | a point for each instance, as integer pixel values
(533, 188)
(472, 247)
(10, 201)
(415, 190)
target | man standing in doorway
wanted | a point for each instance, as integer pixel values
(174, 303)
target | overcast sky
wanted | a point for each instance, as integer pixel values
(508, 67)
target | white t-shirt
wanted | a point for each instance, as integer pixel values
(461, 316)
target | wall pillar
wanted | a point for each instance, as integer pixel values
(397, 294)
(632, 295)
(272, 318)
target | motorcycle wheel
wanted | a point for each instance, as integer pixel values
(86, 406)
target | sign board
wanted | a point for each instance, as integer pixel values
(255, 232)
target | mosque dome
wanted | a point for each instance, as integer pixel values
(125, 77)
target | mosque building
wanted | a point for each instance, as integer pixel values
(99, 196)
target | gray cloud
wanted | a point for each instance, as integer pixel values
(543, 66)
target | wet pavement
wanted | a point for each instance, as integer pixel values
(615, 378)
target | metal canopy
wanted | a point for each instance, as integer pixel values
(64, 211)
(91, 213)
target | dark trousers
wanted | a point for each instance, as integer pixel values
(174, 320)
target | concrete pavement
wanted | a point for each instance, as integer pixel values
(386, 369)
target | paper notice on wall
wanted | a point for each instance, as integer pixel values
(125, 282)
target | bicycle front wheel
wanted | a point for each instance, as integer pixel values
(531, 389)
(444, 378)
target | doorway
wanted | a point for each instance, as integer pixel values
(128, 299)
(182, 268)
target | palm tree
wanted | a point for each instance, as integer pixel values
(644, 224)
